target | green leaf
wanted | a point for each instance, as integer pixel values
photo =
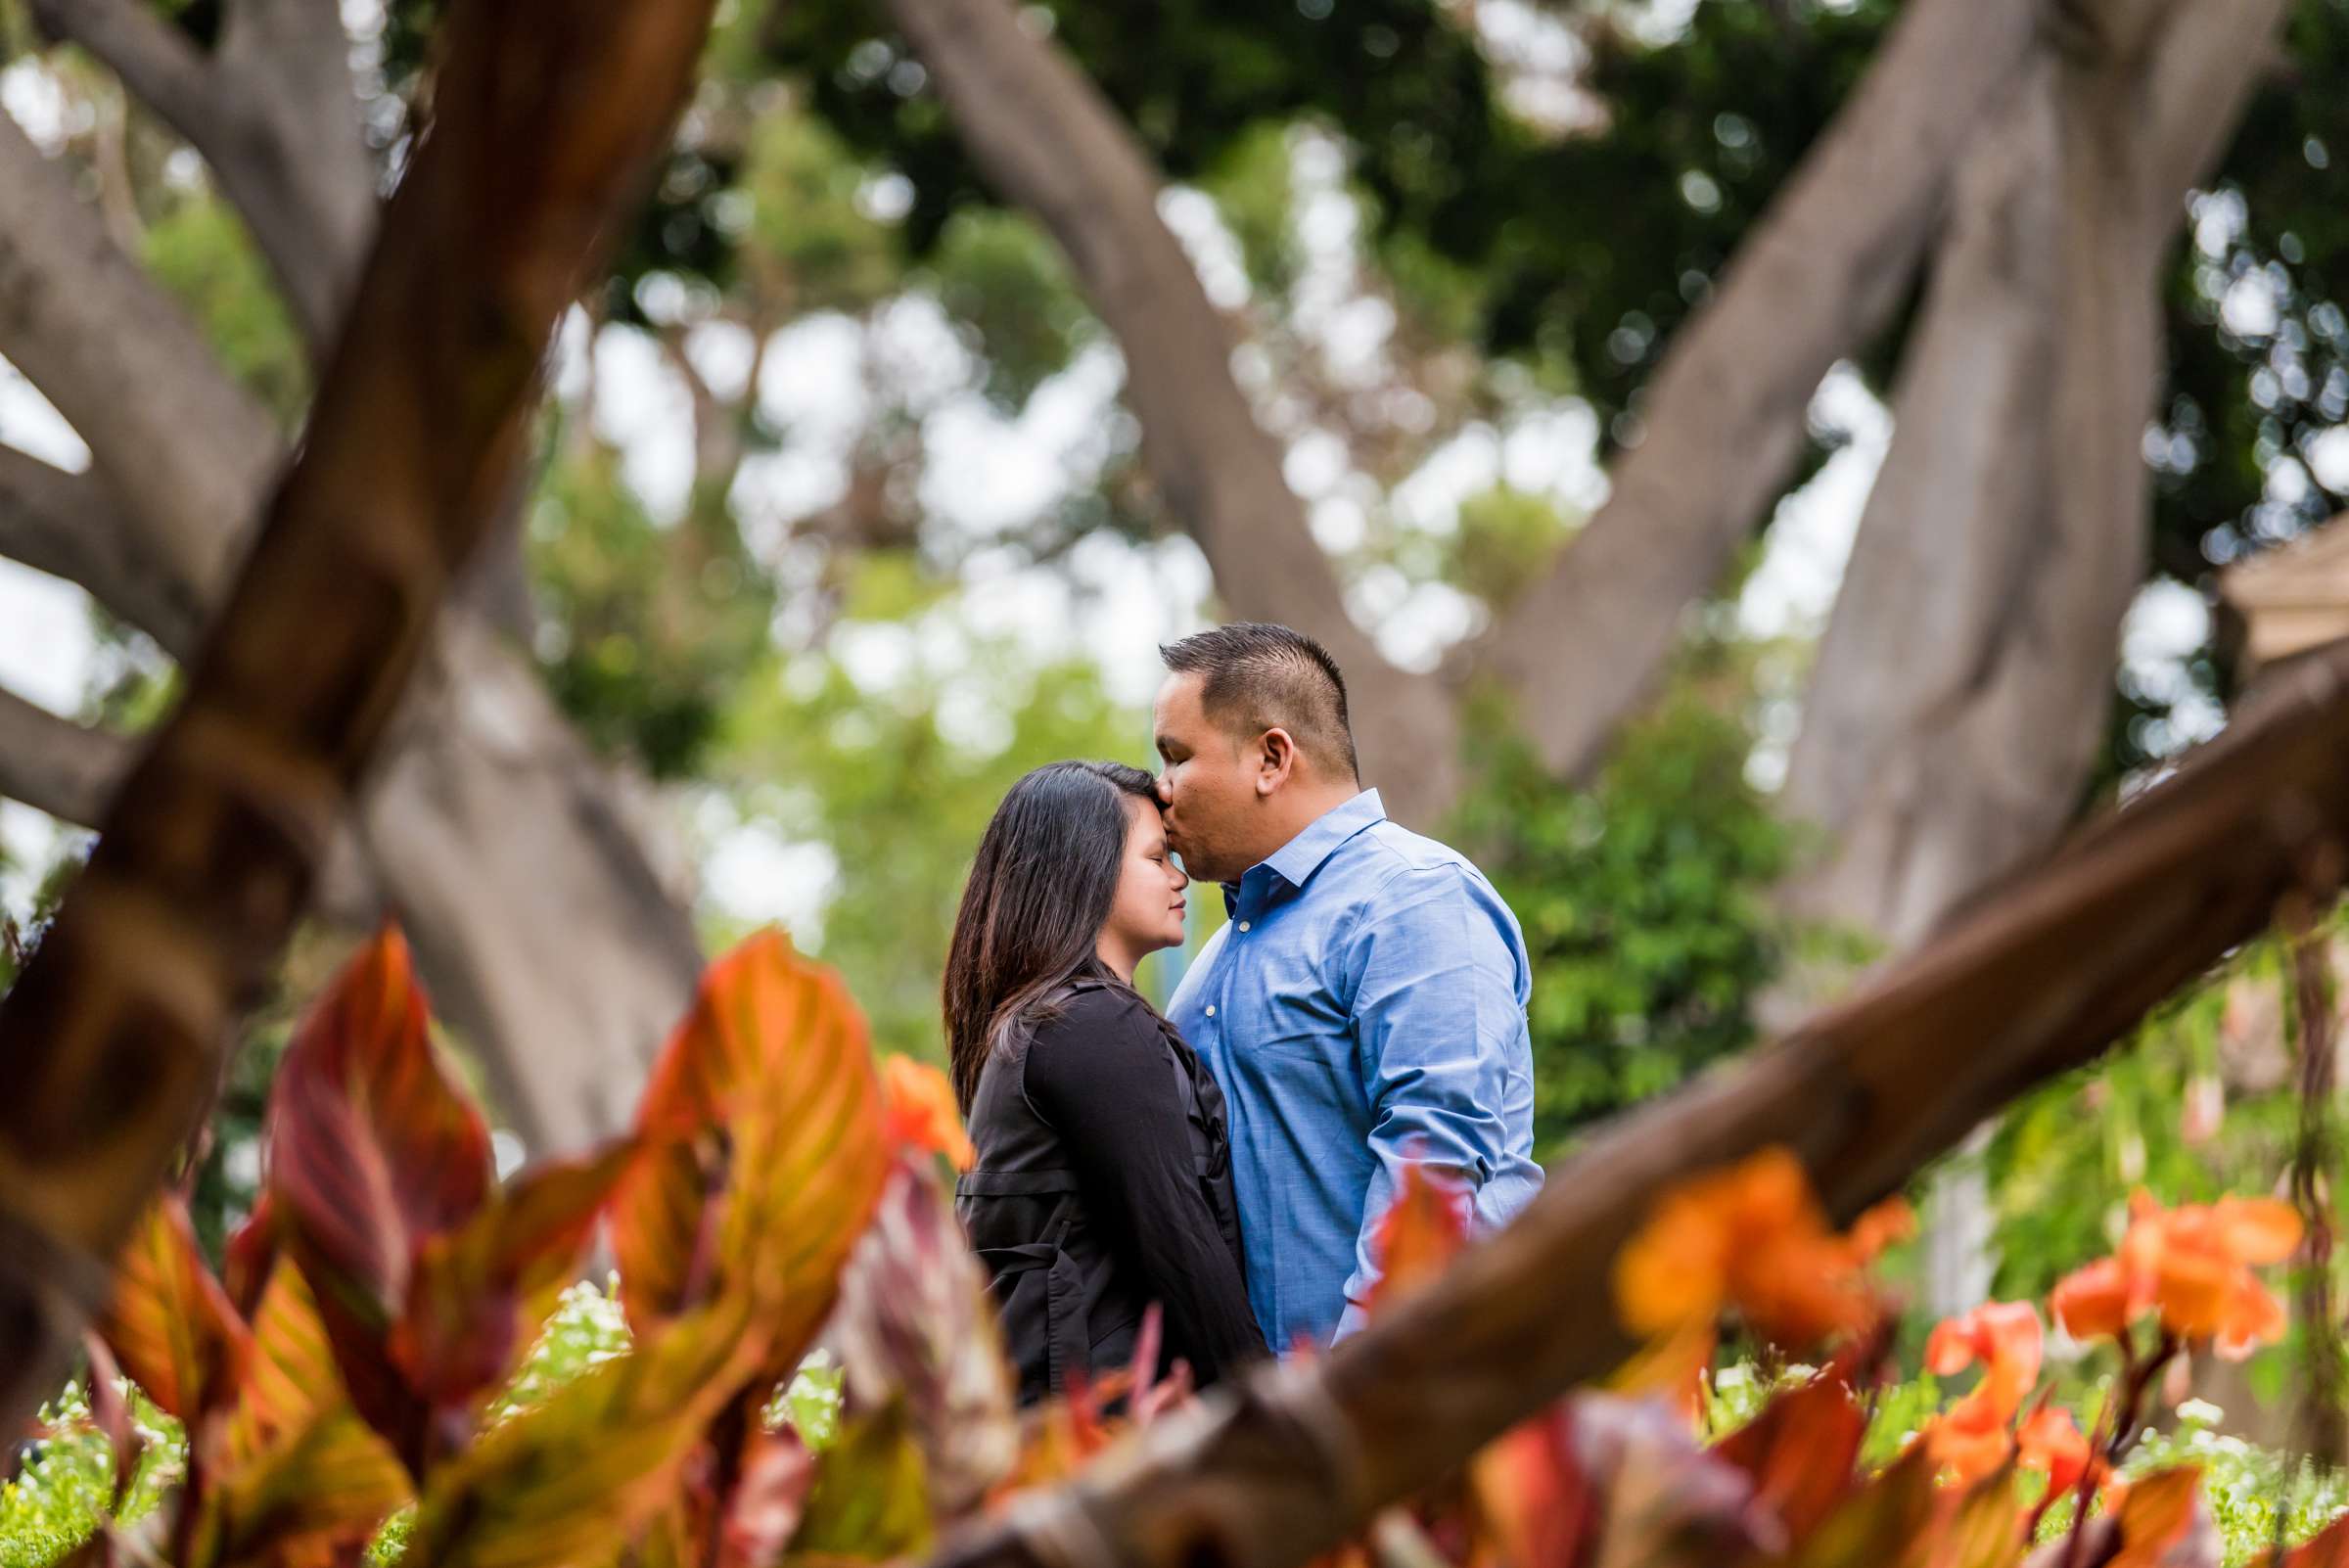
(870, 1500)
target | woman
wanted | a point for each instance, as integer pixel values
(1104, 1178)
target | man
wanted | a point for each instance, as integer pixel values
(1363, 1008)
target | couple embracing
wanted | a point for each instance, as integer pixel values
(1361, 1009)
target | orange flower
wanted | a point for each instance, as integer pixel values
(2004, 1337)
(2050, 1441)
(1750, 1236)
(2093, 1303)
(1971, 1440)
(919, 1112)
(2193, 1264)
(1886, 1225)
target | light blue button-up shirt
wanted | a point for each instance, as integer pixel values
(1363, 1008)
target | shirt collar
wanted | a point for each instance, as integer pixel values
(1302, 855)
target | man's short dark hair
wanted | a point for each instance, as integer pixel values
(1258, 677)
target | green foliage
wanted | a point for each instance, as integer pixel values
(61, 1496)
(2247, 1485)
(999, 275)
(648, 625)
(808, 231)
(200, 251)
(64, 1489)
(1642, 903)
(900, 782)
(1506, 543)
(1254, 191)
(1192, 78)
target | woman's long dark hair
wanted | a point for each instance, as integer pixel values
(1032, 911)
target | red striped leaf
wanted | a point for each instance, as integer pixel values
(170, 1325)
(763, 1149)
(569, 1480)
(477, 1294)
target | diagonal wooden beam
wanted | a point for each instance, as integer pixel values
(548, 114)
(2031, 984)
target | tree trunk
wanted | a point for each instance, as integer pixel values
(117, 1029)
(1722, 423)
(1963, 683)
(520, 874)
(544, 861)
(1048, 141)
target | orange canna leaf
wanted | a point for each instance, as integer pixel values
(764, 1150)
(564, 1481)
(169, 1323)
(1422, 1231)
(1802, 1452)
(373, 1152)
(1979, 1527)
(251, 1256)
(920, 1111)
(476, 1295)
(312, 1500)
(916, 1324)
(1532, 1496)
(777, 1472)
(1878, 1522)
(2329, 1547)
(291, 1376)
(2162, 1523)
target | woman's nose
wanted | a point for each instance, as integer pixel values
(1183, 878)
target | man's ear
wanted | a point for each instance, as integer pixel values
(1276, 760)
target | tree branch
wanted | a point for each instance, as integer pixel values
(57, 766)
(1818, 276)
(156, 61)
(70, 526)
(1048, 141)
(2006, 533)
(185, 449)
(2028, 988)
(273, 113)
(548, 114)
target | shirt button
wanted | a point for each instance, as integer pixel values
(1243, 925)
(1211, 1009)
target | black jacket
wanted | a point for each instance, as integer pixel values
(1103, 1184)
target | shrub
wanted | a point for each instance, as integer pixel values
(390, 1366)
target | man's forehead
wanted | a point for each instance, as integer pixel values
(1177, 697)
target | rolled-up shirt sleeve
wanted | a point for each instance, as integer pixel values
(1438, 1019)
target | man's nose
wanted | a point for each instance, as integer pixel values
(1165, 790)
